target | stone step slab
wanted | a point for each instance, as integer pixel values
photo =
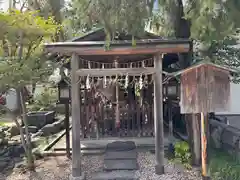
(121, 146)
(115, 175)
(121, 164)
(118, 155)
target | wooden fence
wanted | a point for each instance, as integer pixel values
(134, 122)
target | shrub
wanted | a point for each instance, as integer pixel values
(182, 154)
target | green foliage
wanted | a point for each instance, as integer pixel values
(44, 101)
(223, 166)
(2, 124)
(51, 8)
(213, 19)
(22, 35)
(215, 24)
(160, 25)
(127, 16)
(182, 154)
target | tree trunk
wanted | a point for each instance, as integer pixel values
(29, 154)
(21, 132)
(26, 141)
(182, 29)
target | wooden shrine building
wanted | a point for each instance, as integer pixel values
(92, 65)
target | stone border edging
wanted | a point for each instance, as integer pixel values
(53, 142)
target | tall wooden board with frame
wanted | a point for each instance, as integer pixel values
(205, 88)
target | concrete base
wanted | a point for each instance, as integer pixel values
(120, 164)
(159, 170)
(77, 178)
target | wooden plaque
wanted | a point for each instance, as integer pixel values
(205, 88)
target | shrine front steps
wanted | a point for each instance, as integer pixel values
(120, 162)
(115, 175)
(120, 155)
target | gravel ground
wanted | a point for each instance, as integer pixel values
(56, 168)
(147, 170)
(59, 168)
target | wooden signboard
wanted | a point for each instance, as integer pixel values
(205, 88)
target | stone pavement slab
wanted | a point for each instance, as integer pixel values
(121, 146)
(117, 155)
(115, 175)
(122, 164)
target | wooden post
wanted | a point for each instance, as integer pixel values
(158, 116)
(76, 122)
(117, 101)
(204, 129)
(196, 140)
(170, 136)
(67, 130)
(170, 121)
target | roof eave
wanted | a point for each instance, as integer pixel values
(148, 46)
(222, 67)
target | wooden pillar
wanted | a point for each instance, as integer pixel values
(117, 101)
(76, 122)
(196, 140)
(170, 121)
(67, 130)
(204, 143)
(158, 116)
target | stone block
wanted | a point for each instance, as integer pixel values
(121, 146)
(54, 128)
(123, 164)
(13, 131)
(31, 129)
(111, 155)
(16, 150)
(4, 161)
(229, 138)
(50, 129)
(114, 175)
(77, 178)
(40, 118)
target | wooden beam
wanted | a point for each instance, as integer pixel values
(158, 116)
(76, 121)
(120, 47)
(115, 71)
(122, 51)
